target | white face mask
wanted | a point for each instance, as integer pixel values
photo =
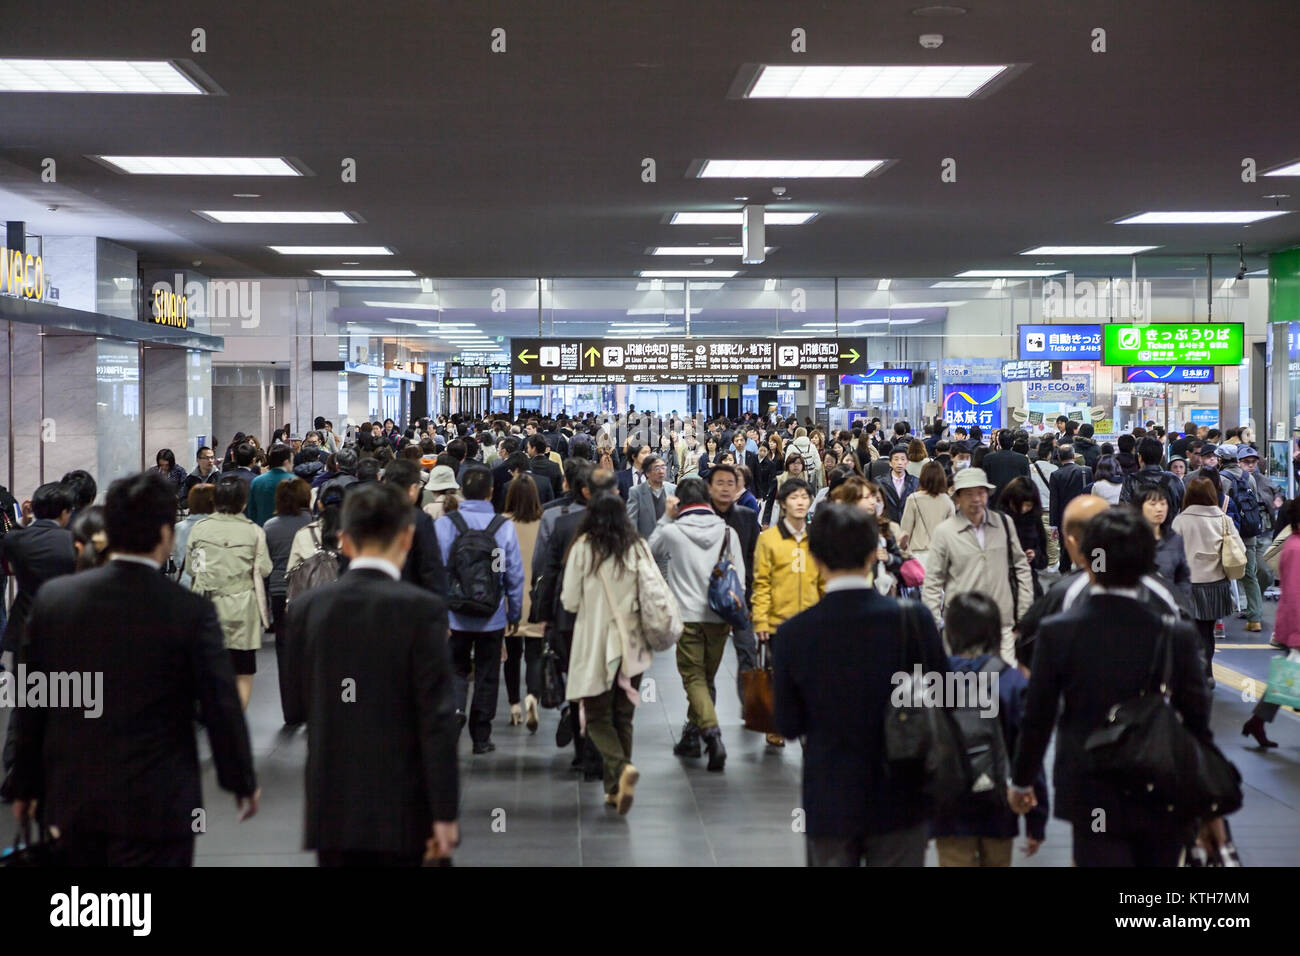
(959, 465)
(880, 507)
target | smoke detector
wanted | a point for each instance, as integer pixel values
(932, 41)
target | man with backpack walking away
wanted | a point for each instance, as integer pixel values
(485, 594)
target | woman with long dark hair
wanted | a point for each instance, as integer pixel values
(524, 508)
(1019, 500)
(608, 654)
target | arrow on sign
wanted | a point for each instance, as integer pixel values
(853, 355)
(591, 354)
(525, 355)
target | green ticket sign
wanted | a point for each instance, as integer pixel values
(1197, 343)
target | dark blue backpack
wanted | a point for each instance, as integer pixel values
(727, 589)
(1250, 517)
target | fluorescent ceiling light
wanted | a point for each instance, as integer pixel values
(770, 218)
(788, 168)
(700, 250)
(659, 285)
(332, 250)
(200, 165)
(656, 312)
(262, 216)
(412, 321)
(23, 75)
(688, 274)
(378, 284)
(1290, 169)
(870, 82)
(403, 305)
(1009, 273)
(951, 284)
(330, 273)
(1198, 218)
(1087, 250)
(883, 285)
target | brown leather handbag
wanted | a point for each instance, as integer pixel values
(757, 686)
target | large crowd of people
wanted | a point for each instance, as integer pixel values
(402, 571)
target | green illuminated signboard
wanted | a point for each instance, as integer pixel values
(1167, 343)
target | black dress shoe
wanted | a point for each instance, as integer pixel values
(486, 747)
(461, 719)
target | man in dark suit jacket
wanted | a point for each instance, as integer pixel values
(37, 553)
(1004, 465)
(1065, 484)
(631, 475)
(376, 688)
(834, 689)
(423, 567)
(501, 471)
(897, 478)
(543, 469)
(1095, 655)
(123, 789)
(519, 465)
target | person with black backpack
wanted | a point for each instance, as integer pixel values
(1252, 500)
(485, 595)
(981, 830)
(1153, 475)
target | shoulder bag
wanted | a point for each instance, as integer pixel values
(1012, 577)
(1232, 554)
(661, 618)
(918, 736)
(757, 690)
(1146, 751)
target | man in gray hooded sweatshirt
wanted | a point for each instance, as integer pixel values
(688, 541)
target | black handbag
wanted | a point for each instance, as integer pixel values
(1145, 750)
(922, 738)
(24, 853)
(552, 677)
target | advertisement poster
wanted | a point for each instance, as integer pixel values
(973, 403)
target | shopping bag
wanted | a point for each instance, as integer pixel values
(757, 692)
(1284, 681)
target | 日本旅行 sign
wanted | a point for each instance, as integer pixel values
(612, 361)
(1061, 342)
(1182, 374)
(880, 376)
(1201, 343)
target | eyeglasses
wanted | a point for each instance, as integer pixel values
(207, 457)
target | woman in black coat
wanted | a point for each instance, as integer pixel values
(1019, 500)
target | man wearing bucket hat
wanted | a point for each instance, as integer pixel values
(977, 549)
(1254, 498)
(442, 481)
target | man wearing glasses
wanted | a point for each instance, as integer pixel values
(204, 473)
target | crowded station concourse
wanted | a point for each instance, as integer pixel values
(784, 482)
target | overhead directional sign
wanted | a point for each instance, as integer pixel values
(1169, 343)
(605, 360)
(783, 384)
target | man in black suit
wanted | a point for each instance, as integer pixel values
(836, 688)
(122, 785)
(898, 485)
(518, 464)
(1005, 464)
(1065, 484)
(36, 554)
(541, 465)
(501, 471)
(423, 566)
(245, 453)
(1095, 655)
(376, 688)
(631, 475)
(748, 459)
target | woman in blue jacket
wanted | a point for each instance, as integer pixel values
(984, 837)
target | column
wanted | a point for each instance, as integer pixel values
(25, 454)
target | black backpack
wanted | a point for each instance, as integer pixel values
(8, 507)
(473, 581)
(986, 750)
(1250, 516)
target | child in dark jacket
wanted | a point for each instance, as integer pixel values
(984, 837)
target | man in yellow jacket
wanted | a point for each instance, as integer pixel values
(786, 580)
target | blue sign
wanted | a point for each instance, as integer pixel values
(1080, 343)
(973, 403)
(1208, 417)
(1180, 374)
(880, 376)
(1030, 371)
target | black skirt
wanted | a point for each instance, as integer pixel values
(1212, 600)
(244, 662)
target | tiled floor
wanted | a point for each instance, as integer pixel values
(523, 806)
